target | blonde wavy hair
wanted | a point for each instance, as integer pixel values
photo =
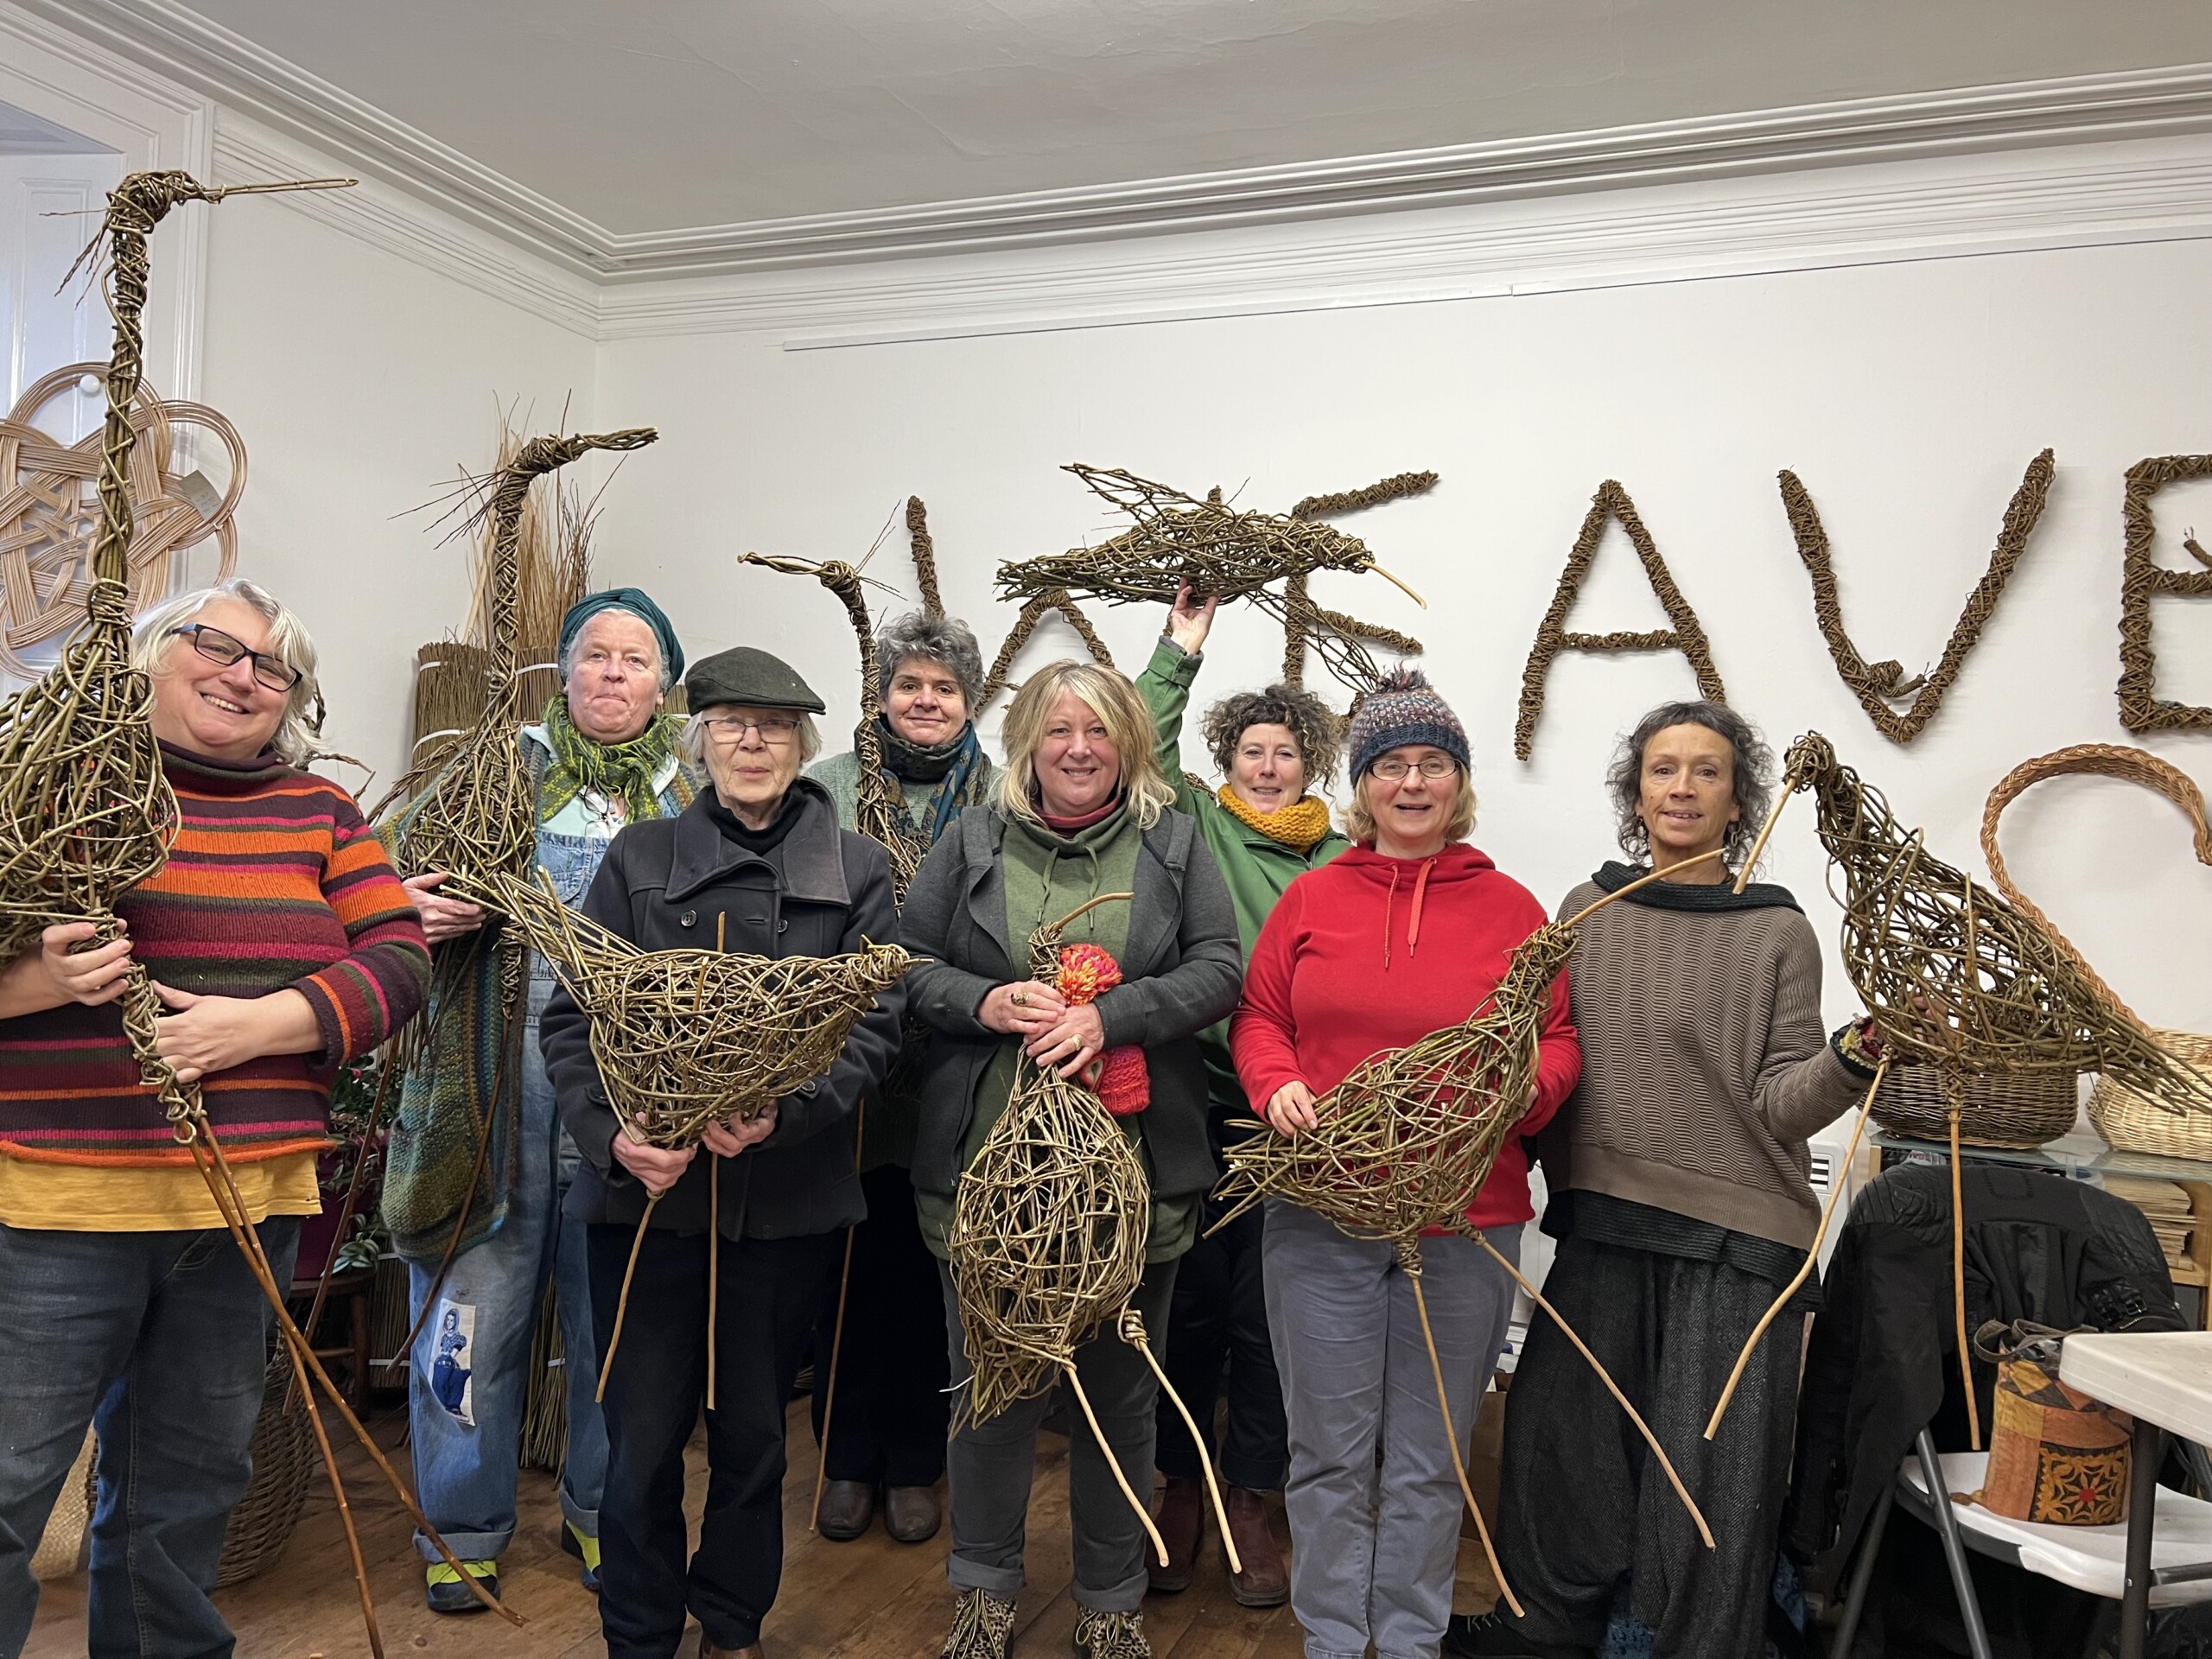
(152, 635)
(1120, 709)
(1459, 823)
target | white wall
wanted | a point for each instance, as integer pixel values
(1909, 396)
(362, 383)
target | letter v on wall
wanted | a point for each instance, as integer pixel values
(1878, 685)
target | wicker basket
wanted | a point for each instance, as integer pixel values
(284, 1459)
(2013, 1109)
(2132, 1123)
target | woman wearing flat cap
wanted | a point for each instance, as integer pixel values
(603, 755)
(757, 864)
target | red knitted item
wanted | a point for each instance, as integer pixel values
(1119, 1076)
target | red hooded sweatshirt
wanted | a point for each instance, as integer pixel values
(1368, 953)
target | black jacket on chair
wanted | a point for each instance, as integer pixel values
(1883, 1363)
(822, 892)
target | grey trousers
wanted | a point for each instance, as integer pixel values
(1372, 1552)
(989, 1465)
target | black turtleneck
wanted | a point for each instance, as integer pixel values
(761, 842)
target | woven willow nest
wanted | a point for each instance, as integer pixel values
(477, 819)
(2002, 992)
(879, 807)
(688, 1038)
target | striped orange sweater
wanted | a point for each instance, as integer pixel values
(274, 882)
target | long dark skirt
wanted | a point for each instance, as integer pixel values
(1587, 1512)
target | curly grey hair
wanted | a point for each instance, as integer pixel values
(1753, 775)
(1313, 725)
(942, 640)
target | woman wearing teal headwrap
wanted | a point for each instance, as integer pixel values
(603, 755)
(889, 1429)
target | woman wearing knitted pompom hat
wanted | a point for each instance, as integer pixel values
(1406, 933)
(1265, 826)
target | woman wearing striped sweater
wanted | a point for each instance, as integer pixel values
(1679, 1193)
(283, 944)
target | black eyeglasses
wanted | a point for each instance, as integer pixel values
(219, 647)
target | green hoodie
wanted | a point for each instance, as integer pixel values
(1256, 869)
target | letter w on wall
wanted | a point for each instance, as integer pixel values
(1687, 636)
(1877, 685)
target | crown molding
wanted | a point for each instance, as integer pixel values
(1943, 208)
(171, 38)
(411, 230)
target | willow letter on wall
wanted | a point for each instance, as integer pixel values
(1687, 636)
(2140, 710)
(1878, 685)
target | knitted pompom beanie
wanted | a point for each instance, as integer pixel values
(1404, 709)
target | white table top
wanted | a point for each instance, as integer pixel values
(2164, 1376)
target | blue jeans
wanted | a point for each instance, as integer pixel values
(470, 1372)
(159, 1341)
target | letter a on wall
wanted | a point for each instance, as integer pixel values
(1687, 636)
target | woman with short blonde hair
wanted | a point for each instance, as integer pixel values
(1083, 812)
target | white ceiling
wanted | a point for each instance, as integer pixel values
(647, 116)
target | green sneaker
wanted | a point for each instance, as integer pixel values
(585, 1549)
(445, 1592)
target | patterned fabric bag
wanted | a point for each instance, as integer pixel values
(2055, 1455)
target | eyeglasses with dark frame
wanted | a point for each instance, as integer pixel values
(731, 729)
(219, 647)
(1430, 766)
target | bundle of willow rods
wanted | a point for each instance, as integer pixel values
(1406, 1140)
(85, 812)
(688, 1038)
(1221, 552)
(879, 806)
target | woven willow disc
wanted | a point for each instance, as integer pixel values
(2003, 992)
(688, 1038)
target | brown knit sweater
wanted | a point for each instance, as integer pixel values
(1705, 1065)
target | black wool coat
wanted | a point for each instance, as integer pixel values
(823, 891)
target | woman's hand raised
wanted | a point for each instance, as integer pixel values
(1191, 619)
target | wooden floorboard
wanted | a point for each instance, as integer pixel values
(870, 1599)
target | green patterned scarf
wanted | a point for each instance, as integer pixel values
(622, 772)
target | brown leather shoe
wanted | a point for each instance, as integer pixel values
(1181, 1520)
(708, 1650)
(847, 1508)
(1264, 1582)
(911, 1514)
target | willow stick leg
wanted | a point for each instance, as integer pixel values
(622, 1302)
(1133, 1333)
(1452, 1438)
(249, 1243)
(1766, 829)
(1812, 1255)
(1697, 1515)
(829, 1385)
(345, 1209)
(1144, 1515)
(231, 1206)
(1959, 1286)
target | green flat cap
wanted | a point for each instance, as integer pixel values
(751, 678)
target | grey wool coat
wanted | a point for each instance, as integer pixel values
(823, 891)
(1181, 970)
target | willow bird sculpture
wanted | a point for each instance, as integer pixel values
(1956, 977)
(85, 813)
(879, 807)
(686, 1039)
(1224, 553)
(1405, 1143)
(1049, 1228)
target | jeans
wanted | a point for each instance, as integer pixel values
(469, 1380)
(893, 1411)
(1220, 1323)
(992, 1462)
(159, 1341)
(1372, 1550)
(765, 1299)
